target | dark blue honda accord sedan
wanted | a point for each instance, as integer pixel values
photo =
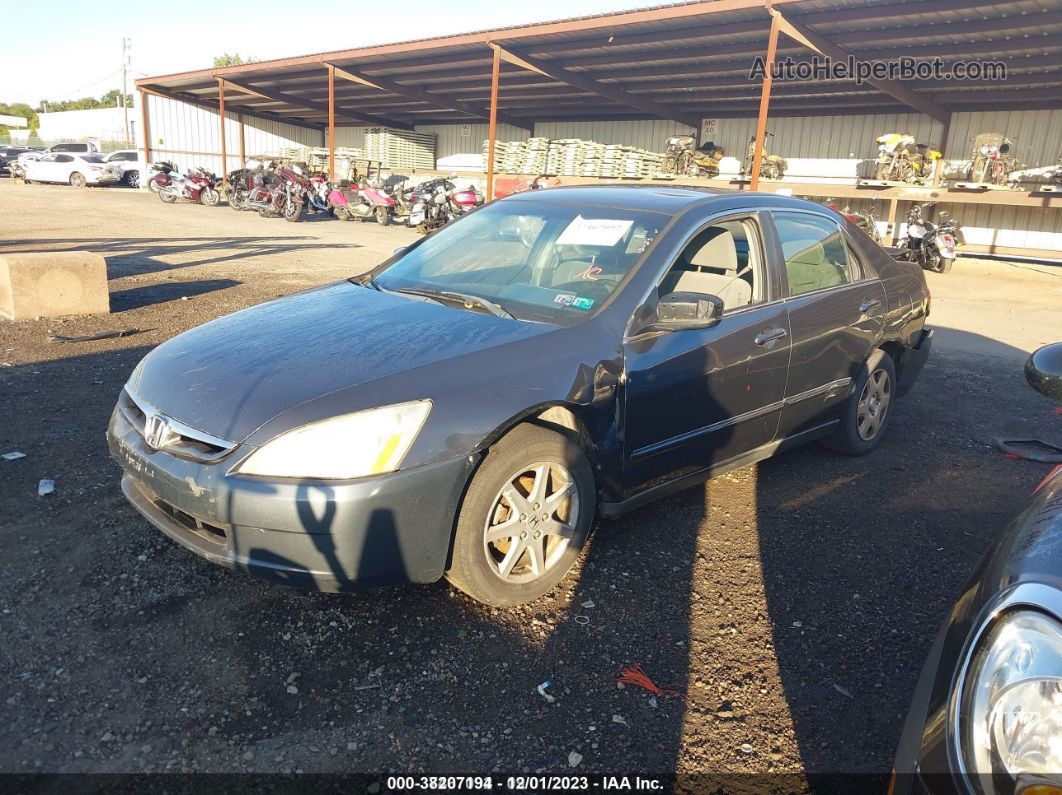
(468, 407)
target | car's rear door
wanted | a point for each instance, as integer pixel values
(836, 306)
(697, 398)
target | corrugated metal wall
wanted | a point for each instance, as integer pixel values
(190, 135)
(348, 136)
(451, 140)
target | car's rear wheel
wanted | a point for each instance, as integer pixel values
(866, 412)
(525, 518)
(77, 179)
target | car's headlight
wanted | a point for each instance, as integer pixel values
(1010, 712)
(355, 445)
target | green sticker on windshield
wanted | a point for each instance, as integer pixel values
(574, 301)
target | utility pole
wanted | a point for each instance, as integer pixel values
(127, 45)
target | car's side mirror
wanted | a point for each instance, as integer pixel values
(1043, 370)
(677, 311)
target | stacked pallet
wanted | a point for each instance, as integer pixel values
(573, 157)
(400, 149)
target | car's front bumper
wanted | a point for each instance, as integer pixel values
(317, 535)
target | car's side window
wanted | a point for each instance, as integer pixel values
(64, 159)
(49, 158)
(814, 250)
(723, 260)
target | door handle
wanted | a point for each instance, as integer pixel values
(867, 305)
(769, 335)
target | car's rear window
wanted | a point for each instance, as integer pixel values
(539, 260)
(92, 158)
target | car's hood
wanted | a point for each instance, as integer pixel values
(231, 375)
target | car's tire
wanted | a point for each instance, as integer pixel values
(866, 413)
(132, 179)
(77, 180)
(503, 570)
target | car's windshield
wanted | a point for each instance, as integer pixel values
(537, 260)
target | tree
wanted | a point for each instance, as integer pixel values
(231, 60)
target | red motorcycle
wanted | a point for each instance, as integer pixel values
(465, 200)
(280, 191)
(161, 174)
(198, 185)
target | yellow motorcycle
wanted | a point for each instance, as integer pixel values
(900, 159)
(771, 166)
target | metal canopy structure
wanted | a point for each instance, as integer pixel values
(680, 62)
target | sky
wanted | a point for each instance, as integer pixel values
(62, 52)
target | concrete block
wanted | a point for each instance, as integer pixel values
(52, 284)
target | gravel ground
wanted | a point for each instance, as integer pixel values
(790, 603)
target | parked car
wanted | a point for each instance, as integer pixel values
(129, 167)
(77, 170)
(70, 148)
(986, 716)
(9, 154)
(469, 407)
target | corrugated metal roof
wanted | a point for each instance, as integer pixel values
(680, 61)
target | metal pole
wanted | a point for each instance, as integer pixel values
(765, 101)
(221, 117)
(146, 130)
(890, 233)
(331, 122)
(125, 105)
(492, 132)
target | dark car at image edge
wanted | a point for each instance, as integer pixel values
(471, 405)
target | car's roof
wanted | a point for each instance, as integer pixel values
(655, 198)
(659, 198)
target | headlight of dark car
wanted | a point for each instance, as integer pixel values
(1009, 716)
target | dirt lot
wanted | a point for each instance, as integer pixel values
(791, 602)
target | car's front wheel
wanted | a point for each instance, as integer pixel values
(525, 518)
(866, 412)
(132, 179)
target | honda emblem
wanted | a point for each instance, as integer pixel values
(157, 432)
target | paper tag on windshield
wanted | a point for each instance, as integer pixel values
(593, 232)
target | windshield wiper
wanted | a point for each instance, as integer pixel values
(477, 300)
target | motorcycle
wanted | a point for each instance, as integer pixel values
(932, 246)
(431, 205)
(866, 221)
(991, 161)
(681, 159)
(900, 159)
(463, 201)
(317, 195)
(280, 191)
(365, 202)
(162, 173)
(238, 185)
(198, 185)
(771, 166)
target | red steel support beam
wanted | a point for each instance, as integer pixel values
(331, 122)
(492, 131)
(221, 118)
(765, 102)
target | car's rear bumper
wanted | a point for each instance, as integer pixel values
(317, 535)
(914, 359)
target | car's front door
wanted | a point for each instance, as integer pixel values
(836, 313)
(697, 398)
(43, 169)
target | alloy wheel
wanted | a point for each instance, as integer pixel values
(531, 522)
(873, 404)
